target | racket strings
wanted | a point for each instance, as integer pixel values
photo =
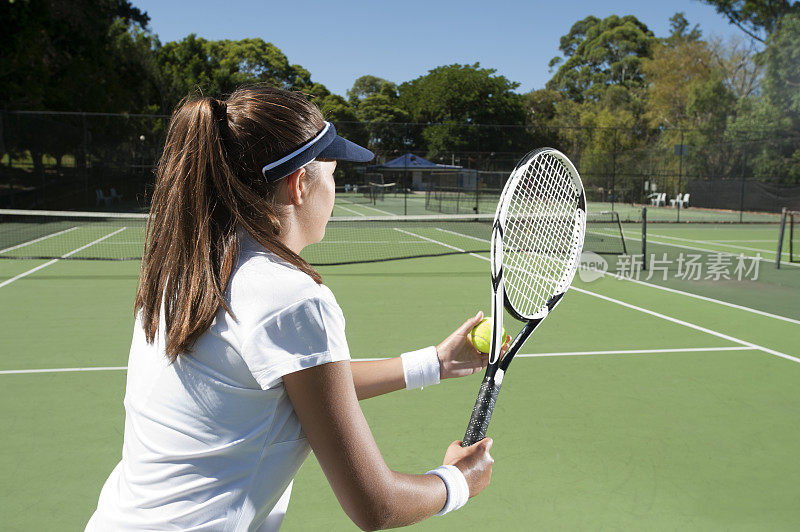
(540, 235)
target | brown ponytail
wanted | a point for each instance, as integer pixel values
(208, 183)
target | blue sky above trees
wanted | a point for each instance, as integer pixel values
(400, 41)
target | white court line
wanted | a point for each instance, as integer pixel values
(746, 240)
(59, 370)
(379, 210)
(657, 314)
(712, 242)
(703, 298)
(674, 290)
(12, 248)
(462, 235)
(690, 325)
(616, 352)
(437, 242)
(350, 210)
(356, 359)
(64, 256)
(638, 351)
(365, 207)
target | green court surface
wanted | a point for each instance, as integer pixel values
(654, 402)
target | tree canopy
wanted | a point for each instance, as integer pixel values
(601, 53)
(450, 97)
(615, 87)
(51, 48)
(757, 18)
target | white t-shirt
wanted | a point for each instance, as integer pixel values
(212, 441)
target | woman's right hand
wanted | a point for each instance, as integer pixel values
(474, 461)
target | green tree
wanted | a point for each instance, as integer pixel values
(677, 62)
(73, 55)
(777, 114)
(453, 98)
(757, 18)
(601, 53)
(368, 85)
(679, 29)
(782, 61)
(381, 113)
(218, 67)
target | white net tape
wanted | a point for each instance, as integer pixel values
(542, 235)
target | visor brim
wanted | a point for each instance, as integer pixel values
(342, 149)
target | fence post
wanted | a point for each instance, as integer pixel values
(741, 192)
(644, 238)
(477, 192)
(85, 157)
(614, 169)
(8, 173)
(680, 178)
(407, 187)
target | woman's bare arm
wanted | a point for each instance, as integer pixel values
(371, 494)
(457, 357)
(377, 377)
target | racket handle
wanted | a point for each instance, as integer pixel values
(482, 413)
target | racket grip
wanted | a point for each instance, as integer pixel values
(482, 413)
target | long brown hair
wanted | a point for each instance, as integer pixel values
(208, 184)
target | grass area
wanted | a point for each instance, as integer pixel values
(652, 409)
(26, 160)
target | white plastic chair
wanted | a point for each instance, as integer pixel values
(115, 196)
(685, 202)
(678, 200)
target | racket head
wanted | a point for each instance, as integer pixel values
(542, 217)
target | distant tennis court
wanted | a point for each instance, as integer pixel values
(658, 398)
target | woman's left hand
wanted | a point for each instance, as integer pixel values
(457, 356)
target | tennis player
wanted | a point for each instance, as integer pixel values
(239, 365)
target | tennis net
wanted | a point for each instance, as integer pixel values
(604, 233)
(456, 200)
(348, 240)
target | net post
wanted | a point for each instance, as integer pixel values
(644, 238)
(780, 239)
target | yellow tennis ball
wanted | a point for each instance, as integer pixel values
(481, 335)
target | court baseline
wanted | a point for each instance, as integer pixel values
(529, 355)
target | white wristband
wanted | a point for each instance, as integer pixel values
(421, 368)
(457, 487)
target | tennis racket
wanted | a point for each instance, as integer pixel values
(536, 244)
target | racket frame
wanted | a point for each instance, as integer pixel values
(496, 368)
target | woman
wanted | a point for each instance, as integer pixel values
(239, 364)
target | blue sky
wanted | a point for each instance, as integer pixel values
(340, 41)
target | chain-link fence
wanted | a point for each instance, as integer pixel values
(91, 161)
(78, 161)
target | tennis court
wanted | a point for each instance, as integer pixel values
(659, 399)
